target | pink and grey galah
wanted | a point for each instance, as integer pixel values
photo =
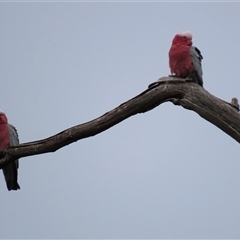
(9, 137)
(185, 59)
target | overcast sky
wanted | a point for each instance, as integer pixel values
(167, 173)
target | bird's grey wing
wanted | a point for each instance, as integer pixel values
(197, 62)
(14, 140)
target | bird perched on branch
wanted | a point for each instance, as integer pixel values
(9, 137)
(185, 59)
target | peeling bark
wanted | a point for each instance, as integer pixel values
(189, 95)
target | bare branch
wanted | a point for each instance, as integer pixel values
(189, 95)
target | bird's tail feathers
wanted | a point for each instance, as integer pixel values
(196, 78)
(13, 185)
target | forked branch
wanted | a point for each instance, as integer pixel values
(189, 95)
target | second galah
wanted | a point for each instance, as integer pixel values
(9, 137)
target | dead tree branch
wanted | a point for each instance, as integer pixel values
(189, 95)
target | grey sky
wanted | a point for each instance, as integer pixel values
(167, 173)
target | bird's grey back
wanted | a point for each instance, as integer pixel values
(197, 62)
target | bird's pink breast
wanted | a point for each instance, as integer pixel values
(4, 136)
(180, 61)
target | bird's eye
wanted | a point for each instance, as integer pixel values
(184, 37)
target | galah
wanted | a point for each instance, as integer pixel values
(9, 137)
(185, 59)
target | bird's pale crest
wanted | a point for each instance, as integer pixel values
(1, 112)
(186, 34)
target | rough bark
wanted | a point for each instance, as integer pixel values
(189, 95)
